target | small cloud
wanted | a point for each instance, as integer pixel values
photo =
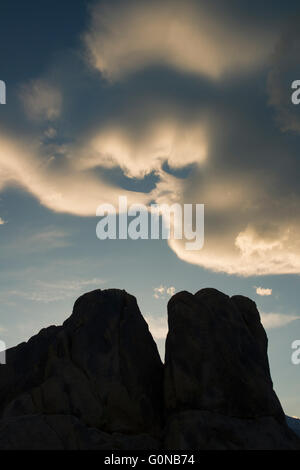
(263, 291)
(276, 320)
(2, 222)
(161, 290)
(171, 290)
(49, 237)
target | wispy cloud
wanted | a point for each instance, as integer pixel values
(248, 230)
(193, 38)
(47, 292)
(263, 291)
(277, 320)
(52, 238)
(46, 239)
(41, 100)
(161, 291)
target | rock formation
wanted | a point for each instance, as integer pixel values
(99, 371)
(97, 381)
(218, 389)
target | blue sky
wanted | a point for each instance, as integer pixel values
(182, 100)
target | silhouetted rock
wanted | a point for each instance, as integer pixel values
(101, 367)
(218, 389)
(97, 381)
(65, 432)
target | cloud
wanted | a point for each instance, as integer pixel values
(248, 230)
(189, 36)
(251, 222)
(277, 320)
(54, 179)
(138, 154)
(47, 292)
(2, 222)
(48, 238)
(198, 141)
(41, 100)
(50, 133)
(263, 291)
(159, 292)
(245, 253)
(158, 326)
(171, 291)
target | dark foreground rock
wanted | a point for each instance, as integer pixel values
(99, 371)
(218, 389)
(97, 381)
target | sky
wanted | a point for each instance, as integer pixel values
(161, 101)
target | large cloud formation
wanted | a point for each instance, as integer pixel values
(55, 181)
(235, 159)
